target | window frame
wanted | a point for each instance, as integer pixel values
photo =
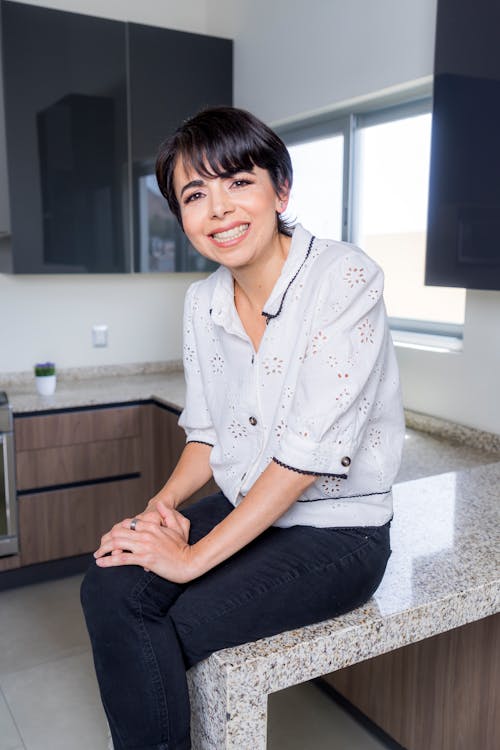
(346, 121)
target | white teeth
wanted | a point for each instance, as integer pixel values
(231, 234)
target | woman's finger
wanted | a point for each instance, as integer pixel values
(122, 558)
(124, 540)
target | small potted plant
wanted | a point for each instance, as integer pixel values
(45, 378)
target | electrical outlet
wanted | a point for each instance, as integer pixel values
(100, 335)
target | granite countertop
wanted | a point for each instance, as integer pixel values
(443, 573)
(116, 386)
(431, 447)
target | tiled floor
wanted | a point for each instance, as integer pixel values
(49, 697)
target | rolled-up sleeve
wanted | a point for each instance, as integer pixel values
(336, 388)
(195, 418)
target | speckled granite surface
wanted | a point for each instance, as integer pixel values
(166, 386)
(443, 573)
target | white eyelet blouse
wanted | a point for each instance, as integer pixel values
(320, 396)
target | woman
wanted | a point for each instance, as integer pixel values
(292, 405)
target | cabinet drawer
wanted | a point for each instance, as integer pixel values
(70, 428)
(71, 522)
(76, 463)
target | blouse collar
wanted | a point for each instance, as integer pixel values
(223, 310)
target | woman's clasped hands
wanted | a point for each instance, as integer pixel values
(159, 543)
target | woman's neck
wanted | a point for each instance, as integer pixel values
(253, 284)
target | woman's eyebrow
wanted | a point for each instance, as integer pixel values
(192, 184)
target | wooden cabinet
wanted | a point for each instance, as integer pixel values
(80, 471)
(169, 441)
(438, 694)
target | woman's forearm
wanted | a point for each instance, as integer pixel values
(190, 474)
(272, 494)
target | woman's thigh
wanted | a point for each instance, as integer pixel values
(284, 579)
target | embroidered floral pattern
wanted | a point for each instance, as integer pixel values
(189, 353)
(375, 437)
(280, 428)
(355, 275)
(366, 332)
(318, 340)
(217, 364)
(364, 406)
(273, 366)
(238, 430)
(342, 398)
(331, 485)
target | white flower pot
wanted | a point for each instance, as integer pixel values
(45, 384)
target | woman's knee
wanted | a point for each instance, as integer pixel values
(105, 592)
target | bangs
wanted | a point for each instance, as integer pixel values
(219, 155)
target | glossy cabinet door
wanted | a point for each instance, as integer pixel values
(66, 123)
(173, 75)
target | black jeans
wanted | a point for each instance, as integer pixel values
(147, 631)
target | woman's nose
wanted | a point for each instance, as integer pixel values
(220, 203)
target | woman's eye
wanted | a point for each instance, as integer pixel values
(193, 197)
(241, 183)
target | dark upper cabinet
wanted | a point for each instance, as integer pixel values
(172, 75)
(464, 190)
(66, 127)
(87, 103)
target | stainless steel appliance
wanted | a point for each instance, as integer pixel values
(9, 543)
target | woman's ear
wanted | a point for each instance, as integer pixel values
(283, 198)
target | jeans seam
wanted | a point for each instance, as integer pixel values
(150, 657)
(291, 576)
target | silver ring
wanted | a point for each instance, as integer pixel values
(133, 524)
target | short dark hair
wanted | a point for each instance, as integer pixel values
(221, 141)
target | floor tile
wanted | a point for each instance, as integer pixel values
(56, 705)
(304, 718)
(10, 738)
(40, 623)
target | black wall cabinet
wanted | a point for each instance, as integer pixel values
(87, 103)
(172, 76)
(463, 247)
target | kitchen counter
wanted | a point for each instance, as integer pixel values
(432, 446)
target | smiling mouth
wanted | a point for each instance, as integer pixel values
(231, 234)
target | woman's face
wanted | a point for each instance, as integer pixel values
(231, 220)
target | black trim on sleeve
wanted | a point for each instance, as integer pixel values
(312, 473)
(269, 316)
(345, 497)
(202, 442)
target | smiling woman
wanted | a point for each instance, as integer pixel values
(292, 405)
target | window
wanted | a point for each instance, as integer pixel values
(365, 179)
(316, 196)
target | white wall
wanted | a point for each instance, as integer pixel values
(300, 56)
(183, 15)
(50, 317)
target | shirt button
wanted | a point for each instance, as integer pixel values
(346, 461)
(252, 421)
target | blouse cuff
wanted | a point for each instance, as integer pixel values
(200, 442)
(201, 435)
(307, 457)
